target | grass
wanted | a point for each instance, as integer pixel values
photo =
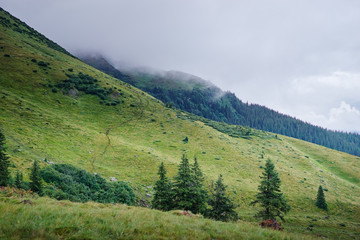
(49, 219)
(127, 141)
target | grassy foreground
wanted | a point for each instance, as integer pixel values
(128, 141)
(44, 218)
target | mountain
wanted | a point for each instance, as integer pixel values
(55, 108)
(197, 96)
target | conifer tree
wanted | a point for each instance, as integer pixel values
(19, 179)
(271, 200)
(163, 191)
(183, 194)
(4, 163)
(222, 208)
(35, 178)
(199, 194)
(320, 199)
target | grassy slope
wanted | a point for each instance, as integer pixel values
(129, 141)
(46, 218)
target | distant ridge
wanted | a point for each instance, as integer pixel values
(21, 27)
(202, 98)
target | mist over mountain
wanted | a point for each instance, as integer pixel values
(86, 143)
(200, 97)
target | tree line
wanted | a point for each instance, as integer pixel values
(185, 192)
(214, 104)
(229, 109)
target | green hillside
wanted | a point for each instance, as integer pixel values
(197, 96)
(55, 107)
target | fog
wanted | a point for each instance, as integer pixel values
(297, 57)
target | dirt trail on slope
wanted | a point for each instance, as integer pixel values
(137, 117)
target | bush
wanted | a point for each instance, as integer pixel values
(43, 64)
(87, 84)
(68, 182)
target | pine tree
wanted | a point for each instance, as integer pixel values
(199, 194)
(4, 163)
(222, 208)
(35, 179)
(19, 179)
(269, 197)
(183, 194)
(163, 191)
(320, 199)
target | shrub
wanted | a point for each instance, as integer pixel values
(43, 64)
(68, 182)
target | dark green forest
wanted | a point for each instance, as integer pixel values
(212, 103)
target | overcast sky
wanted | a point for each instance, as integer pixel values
(301, 58)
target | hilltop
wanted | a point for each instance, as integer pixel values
(200, 97)
(108, 127)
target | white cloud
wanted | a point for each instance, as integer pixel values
(331, 101)
(345, 117)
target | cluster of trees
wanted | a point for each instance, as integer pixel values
(186, 192)
(89, 85)
(212, 103)
(228, 108)
(68, 182)
(65, 181)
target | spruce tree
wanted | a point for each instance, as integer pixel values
(4, 163)
(199, 194)
(320, 199)
(163, 191)
(271, 200)
(35, 178)
(222, 208)
(183, 194)
(19, 179)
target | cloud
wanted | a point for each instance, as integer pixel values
(276, 53)
(329, 100)
(346, 117)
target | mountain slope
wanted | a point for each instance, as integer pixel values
(113, 129)
(204, 99)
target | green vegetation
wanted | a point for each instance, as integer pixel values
(320, 199)
(273, 203)
(19, 180)
(29, 217)
(35, 178)
(222, 208)
(187, 189)
(4, 163)
(10, 22)
(68, 182)
(88, 85)
(162, 199)
(199, 97)
(127, 141)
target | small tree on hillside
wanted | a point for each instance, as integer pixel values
(222, 208)
(183, 196)
(320, 199)
(269, 197)
(35, 178)
(19, 179)
(199, 194)
(4, 163)
(163, 193)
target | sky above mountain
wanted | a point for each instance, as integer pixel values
(301, 58)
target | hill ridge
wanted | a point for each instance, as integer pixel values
(56, 108)
(213, 103)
